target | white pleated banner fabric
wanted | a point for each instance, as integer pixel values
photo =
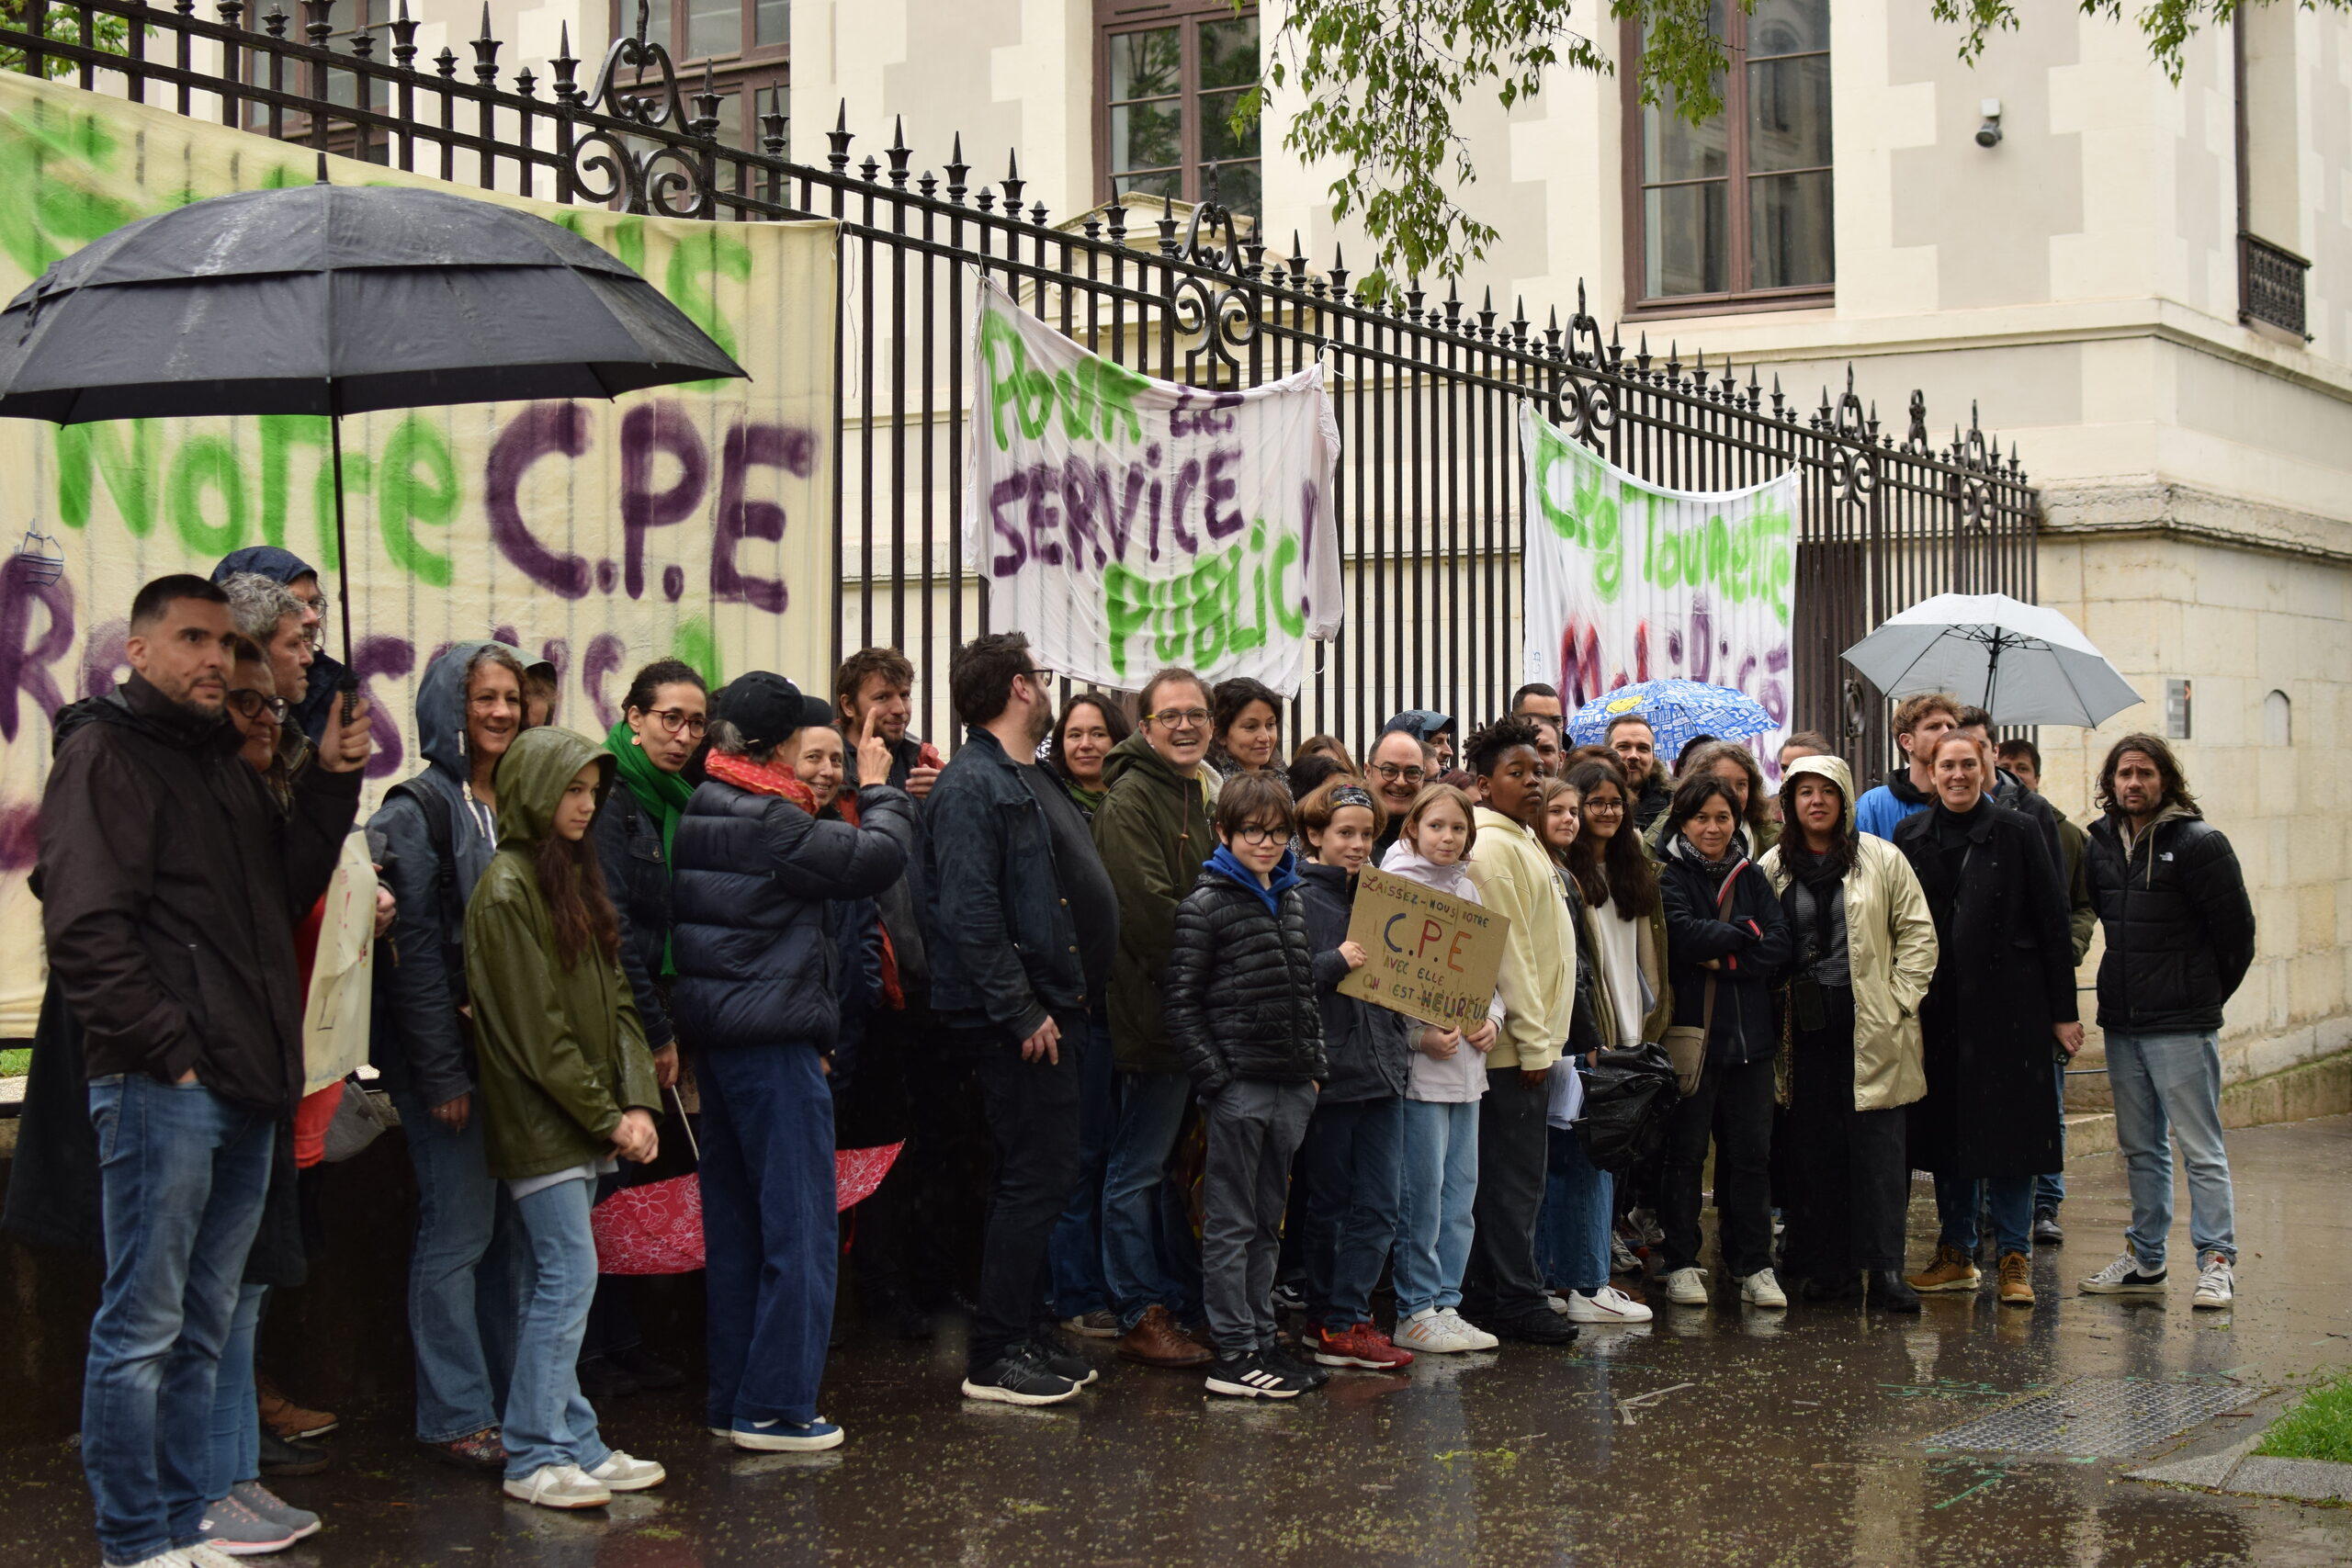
(1628, 582)
(1126, 523)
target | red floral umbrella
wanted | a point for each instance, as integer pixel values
(657, 1228)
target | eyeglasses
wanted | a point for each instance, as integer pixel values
(675, 719)
(1605, 808)
(1039, 677)
(252, 704)
(1389, 772)
(1261, 836)
(1183, 719)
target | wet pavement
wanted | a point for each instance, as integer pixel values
(1719, 1437)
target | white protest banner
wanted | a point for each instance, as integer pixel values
(1125, 523)
(1628, 582)
(692, 521)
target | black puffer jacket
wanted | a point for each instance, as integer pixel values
(1239, 987)
(1370, 1048)
(637, 878)
(2179, 926)
(1751, 938)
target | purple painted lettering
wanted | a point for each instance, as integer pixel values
(648, 431)
(541, 430)
(750, 446)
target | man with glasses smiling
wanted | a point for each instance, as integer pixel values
(1399, 765)
(1154, 834)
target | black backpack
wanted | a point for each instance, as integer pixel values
(1627, 1094)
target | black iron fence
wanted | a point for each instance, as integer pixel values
(1428, 388)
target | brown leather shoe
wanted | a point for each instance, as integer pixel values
(2016, 1280)
(1953, 1270)
(287, 1419)
(1155, 1342)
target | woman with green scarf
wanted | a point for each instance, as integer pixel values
(660, 727)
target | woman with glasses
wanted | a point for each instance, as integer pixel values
(659, 731)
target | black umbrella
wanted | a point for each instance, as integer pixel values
(335, 299)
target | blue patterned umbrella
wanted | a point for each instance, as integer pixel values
(1676, 710)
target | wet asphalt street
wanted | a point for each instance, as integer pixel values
(1719, 1437)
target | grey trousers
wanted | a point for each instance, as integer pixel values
(1254, 1129)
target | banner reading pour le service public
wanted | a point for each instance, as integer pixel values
(689, 521)
(1629, 582)
(1126, 523)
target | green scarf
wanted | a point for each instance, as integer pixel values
(664, 796)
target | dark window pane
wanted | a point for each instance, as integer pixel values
(1788, 114)
(730, 121)
(1146, 136)
(1788, 27)
(1237, 185)
(1229, 52)
(1684, 230)
(1674, 149)
(1789, 230)
(771, 22)
(1218, 139)
(1144, 65)
(714, 26)
(1164, 182)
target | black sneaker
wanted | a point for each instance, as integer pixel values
(1289, 1298)
(2046, 1230)
(292, 1456)
(1293, 1366)
(1252, 1377)
(1018, 1378)
(1059, 1359)
(602, 1377)
(1540, 1326)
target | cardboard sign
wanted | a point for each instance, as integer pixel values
(1426, 955)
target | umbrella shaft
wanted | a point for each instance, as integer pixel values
(341, 549)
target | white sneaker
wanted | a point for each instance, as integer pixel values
(1608, 1305)
(166, 1558)
(1687, 1287)
(558, 1486)
(2124, 1277)
(1434, 1332)
(201, 1555)
(1760, 1289)
(1558, 1300)
(619, 1472)
(2216, 1282)
(1621, 1256)
(1480, 1338)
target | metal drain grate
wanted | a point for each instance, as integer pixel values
(2097, 1417)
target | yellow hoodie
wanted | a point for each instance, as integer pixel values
(1538, 982)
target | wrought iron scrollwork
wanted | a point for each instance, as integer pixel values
(1583, 406)
(661, 178)
(1971, 496)
(1222, 316)
(1851, 467)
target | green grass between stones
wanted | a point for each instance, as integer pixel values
(2320, 1426)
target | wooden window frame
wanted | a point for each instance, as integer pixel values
(1114, 17)
(1734, 301)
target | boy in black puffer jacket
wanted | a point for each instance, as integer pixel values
(1252, 1040)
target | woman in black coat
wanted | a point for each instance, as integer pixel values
(2001, 1004)
(1729, 948)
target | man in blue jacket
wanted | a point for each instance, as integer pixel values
(2179, 939)
(1023, 922)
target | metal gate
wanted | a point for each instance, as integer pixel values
(1428, 388)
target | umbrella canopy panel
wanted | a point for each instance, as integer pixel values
(2023, 663)
(324, 299)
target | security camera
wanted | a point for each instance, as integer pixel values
(1989, 133)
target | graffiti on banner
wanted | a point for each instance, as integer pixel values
(682, 521)
(1125, 523)
(1629, 582)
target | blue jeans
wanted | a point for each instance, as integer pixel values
(547, 1421)
(1080, 1284)
(463, 1293)
(2048, 1191)
(2007, 1199)
(236, 1415)
(1436, 1189)
(1354, 1157)
(182, 1173)
(1148, 1254)
(770, 1232)
(2172, 1083)
(1572, 1234)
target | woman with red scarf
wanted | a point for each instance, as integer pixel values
(756, 869)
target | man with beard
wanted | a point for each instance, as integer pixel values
(1635, 743)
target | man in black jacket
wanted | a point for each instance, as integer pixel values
(1023, 924)
(171, 886)
(2179, 939)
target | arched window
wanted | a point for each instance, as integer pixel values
(2278, 720)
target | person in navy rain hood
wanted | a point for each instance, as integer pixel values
(301, 579)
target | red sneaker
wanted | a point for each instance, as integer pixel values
(1362, 1345)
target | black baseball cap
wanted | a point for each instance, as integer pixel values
(766, 709)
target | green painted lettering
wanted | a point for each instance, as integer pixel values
(87, 452)
(207, 463)
(416, 482)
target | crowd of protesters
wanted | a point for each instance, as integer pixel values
(1098, 952)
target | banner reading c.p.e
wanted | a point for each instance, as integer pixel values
(1427, 956)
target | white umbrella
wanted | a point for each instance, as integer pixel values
(2021, 663)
